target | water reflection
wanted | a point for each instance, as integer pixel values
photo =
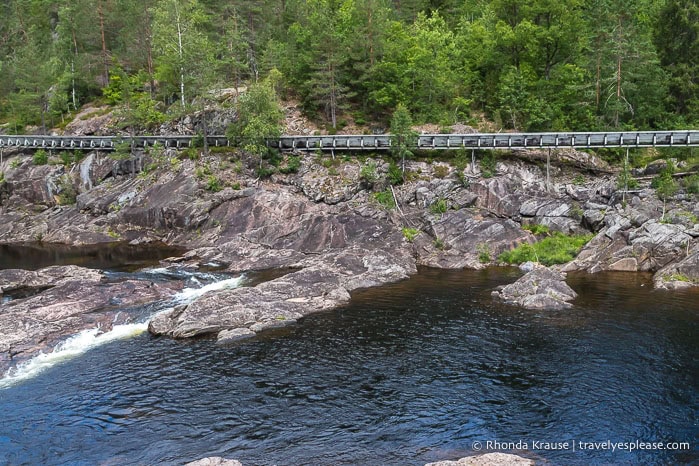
(114, 256)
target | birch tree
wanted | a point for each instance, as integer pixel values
(183, 53)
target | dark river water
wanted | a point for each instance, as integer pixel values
(407, 373)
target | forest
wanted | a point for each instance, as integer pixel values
(536, 65)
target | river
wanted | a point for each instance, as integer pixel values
(405, 374)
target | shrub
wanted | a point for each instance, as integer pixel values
(488, 165)
(536, 229)
(368, 173)
(40, 157)
(691, 184)
(385, 198)
(293, 163)
(483, 251)
(439, 207)
(439, 244)
(2, 177)
(555, 249)
(394, 175)
(441, 171)
(66, 191)
(410, 234)
(213, 184)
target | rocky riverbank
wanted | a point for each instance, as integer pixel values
(337, 223)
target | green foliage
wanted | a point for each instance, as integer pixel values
(67, 193)
(385, 198)
(440, 206)
(394, 175)
(367, 174)
(68, 157)
(2, 177)
(15, 163)
(410, 234)
(41, 157)
(565, 65)
(441, 171)
(488, 164)
(404, 138)
(259, 119)
(555, 249)
(537, 229)
(439, 244)
(213, 184)
(691, 184)
(293, 163)
(484, 253)
(202, 172)
(122, 151)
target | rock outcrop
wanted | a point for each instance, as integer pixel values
(62, 301)
(542, 288)
(488, 459)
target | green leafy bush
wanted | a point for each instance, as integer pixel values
(484, 254)
(439, 207)
(40, 157)
(368, 173)
(537, 229)
(394, 175)
(385, 198)
(555, 249)
(410, 234)
(293, 163)
(441, 171)
(488, 165)
(213, 184)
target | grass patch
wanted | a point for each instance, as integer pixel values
(537, 229)
(385, 198)
(555, 249)
(440, 206)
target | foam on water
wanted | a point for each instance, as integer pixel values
(74, 346)
(86, 340)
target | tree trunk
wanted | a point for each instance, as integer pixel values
(105, 57)
(181, 55)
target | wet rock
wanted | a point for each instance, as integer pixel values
(233, 335)
(76, 300)
(542, 288)
(215, 461)
(680, 274)
(18, 279)
(488, 459)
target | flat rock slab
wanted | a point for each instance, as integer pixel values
(69, 300)
(214, 461)
(542, 288)
(489, 459)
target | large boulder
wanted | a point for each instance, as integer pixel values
(488, 459)
(214, 461)
(542, 288)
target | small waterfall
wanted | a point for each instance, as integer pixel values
(86, 340)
